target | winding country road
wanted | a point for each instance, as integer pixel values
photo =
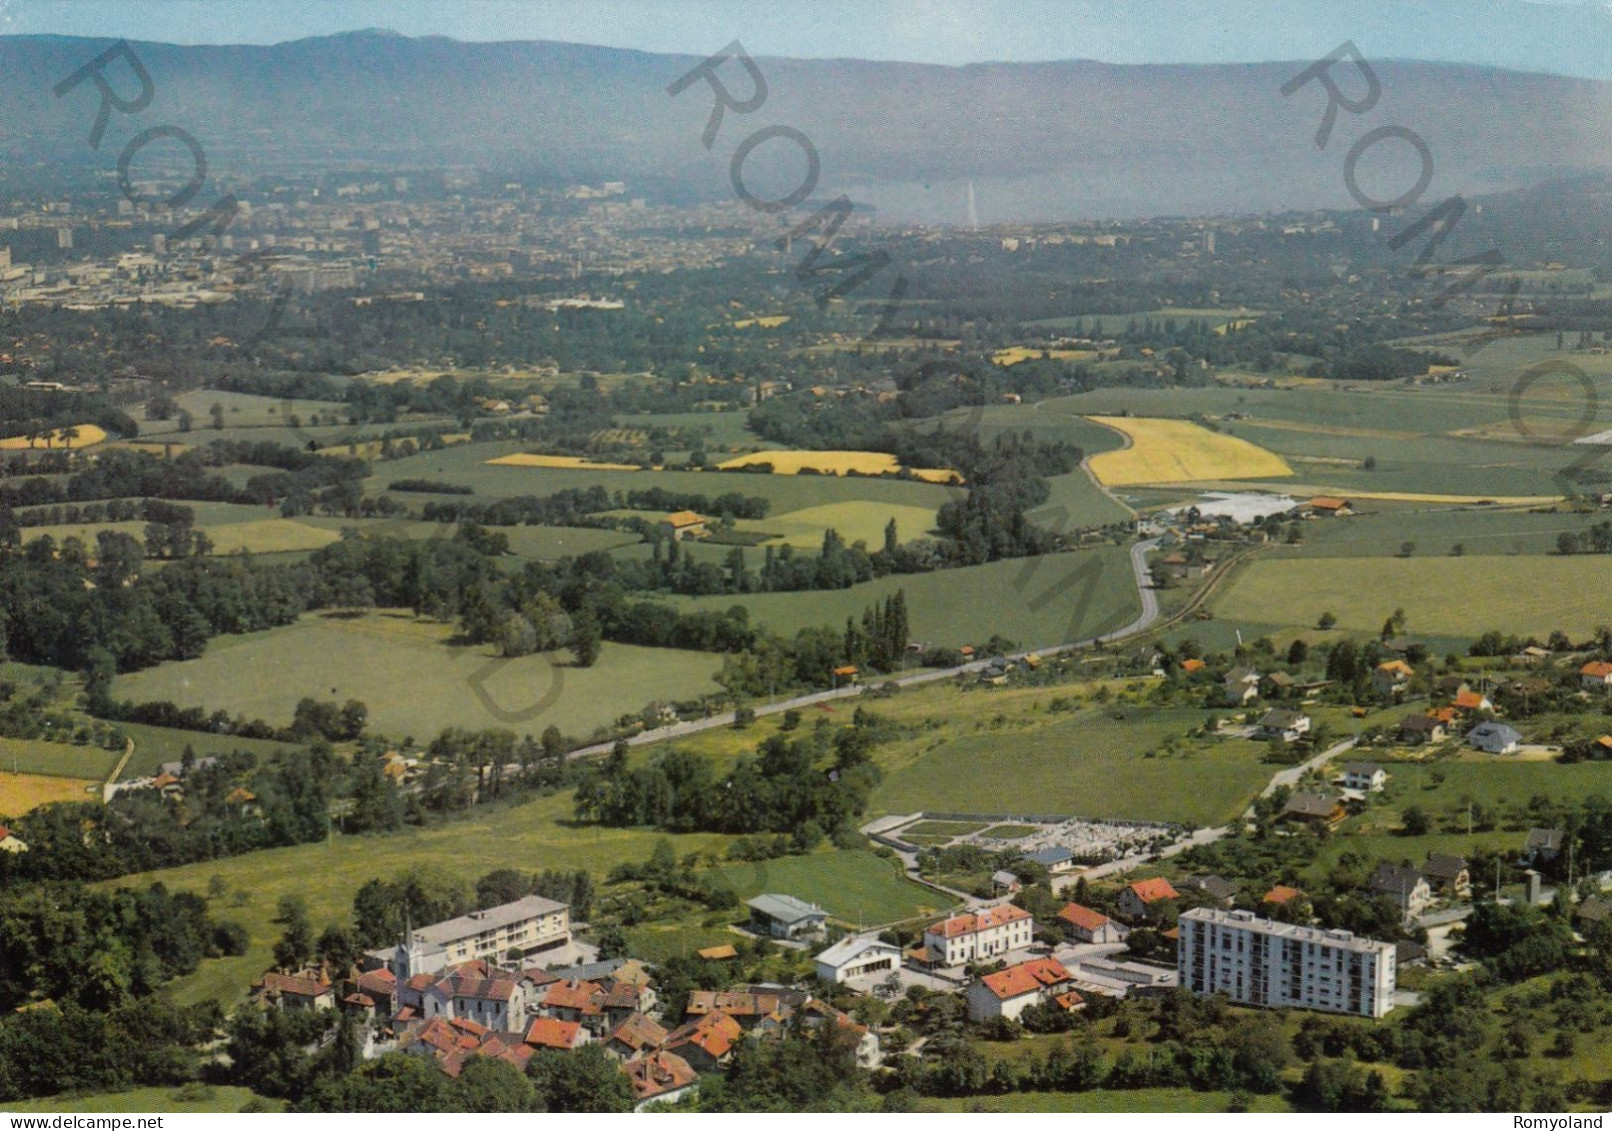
(1149, 614)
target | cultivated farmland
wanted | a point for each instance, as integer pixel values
(1178, 451)
(789, 462)
(22, 793)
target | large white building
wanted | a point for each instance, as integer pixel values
(1259, 962)
(525, 927)
(989, 933)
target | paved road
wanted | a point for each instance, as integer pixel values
(1149, 614)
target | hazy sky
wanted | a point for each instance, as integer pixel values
(1524, 34)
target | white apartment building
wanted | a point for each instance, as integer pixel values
(526, 926)
(1260, 962)
(990, 933)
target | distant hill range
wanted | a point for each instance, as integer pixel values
(1047, 141)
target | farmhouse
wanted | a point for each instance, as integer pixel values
(1008, 993)
(1595, 675)
(682, 524)
(1138, 897)
(985, 934)
(1469, 701)
(1542, 846)
(785, 917)
(1286, 725)
(1391, 677)
(1367, 777)
(1405, 886)
(1082, 924)
(9, 841)
(527, 926)
(857, 956)
(1328, 506)
(1240, 686)
(1494, 738)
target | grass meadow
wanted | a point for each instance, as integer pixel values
(414, 681)
(32, 756)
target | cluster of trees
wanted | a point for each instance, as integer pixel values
(1596, 540)
(808, 787)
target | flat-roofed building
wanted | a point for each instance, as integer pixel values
(524, 927)
(1259, 962)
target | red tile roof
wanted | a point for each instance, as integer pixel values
(1281, 893)
(658, 1073)
(1084, 917)
(639, 1032)
(548, 1032)
(1151, 891)
(571, 994)
(1027, 977)
(1469, 701)
(715, 1034)
(1600, 669)
(1000, 915)
(293, 984)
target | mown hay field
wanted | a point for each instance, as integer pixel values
(88, 434)
(23, 793)
(1179, 451)
(1442, 597)
(836, 463)
(1015, 354)
(56, 759)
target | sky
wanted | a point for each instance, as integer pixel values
(1562, 36)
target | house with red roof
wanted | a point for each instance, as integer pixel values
(1138, 897)
(1595, 675)
(10, 842)
(660, 1078)
(1281, 895)
(288, 992)
(987, 933)
(1008, 993)
(707, 1042)
(637, 1036)
(551, 1033)
(1084, 925)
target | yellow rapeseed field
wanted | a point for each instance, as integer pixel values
(87, 434)
(771, 322)
(530, 459)
(1178, 451)
(838, 463)
(1015, 354)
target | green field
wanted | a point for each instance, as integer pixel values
(550, 543)
(1382, 528)
(416, 683)
(534, 836)
(1103, 1101)
(859, 521)
(1442, 597)
(155, 745)
(30, 756)
(205, 1098)
(853, 887)
(1088, 764)
(1037, 602)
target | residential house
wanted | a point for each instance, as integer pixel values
(1005, 881)
(1595, 676)
(1084, 925)
(1449, 686)
(1468, 702)
(1405, 886)
(814, 1013)
(682, 524)
(1391, 678)
(294, 992)
(1218, 889)
(1240, 687)
(1591, 911)
(1542, 846)
(785, 917)
(707, 1042)
(1192, 666)
(492, 997)
(1008, 993)
(1138, 898)
(660, 1078)
(987, 933)
(379, 989)
(748, 1007)
(1278, 685)
(10, 842)
(1448, 876)
(1281, 895)
(1494, 738)
(1309, 808)
(1415, 730)
(1286, 725)
(552, 1033)
(857, 956)
(1366, 777)
(637, 1035)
